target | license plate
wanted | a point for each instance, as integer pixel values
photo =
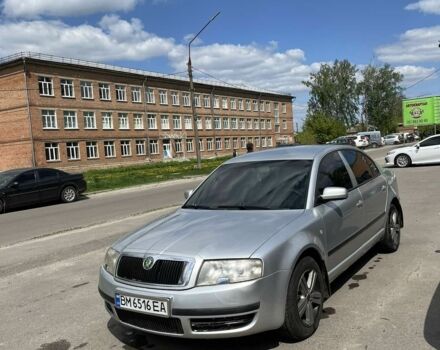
(145, 305)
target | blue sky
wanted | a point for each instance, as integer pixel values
(268, 44)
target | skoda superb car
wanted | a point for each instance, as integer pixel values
(255, 246)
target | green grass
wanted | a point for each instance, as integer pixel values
(120, 177)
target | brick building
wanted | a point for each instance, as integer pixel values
(68, 113)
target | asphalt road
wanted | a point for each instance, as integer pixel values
(48, 287)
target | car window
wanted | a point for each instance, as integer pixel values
(47, 174)
(360, 165)
(274, 185)
(332, 173)
(26, 178)
(434, 141)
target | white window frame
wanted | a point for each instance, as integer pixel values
(140, 148)
(240, 104)
(86, 88)
(268, 124)
(255, 103)
(267, 106)
(70, 120)
(227, 143)
(163, 97)
(121, 93)
(261, 106)
(67, 88)
(72, 150)
(45, 86)
(217, 123)
(283, 108)
(154, 146)
(138, 121)
(178, 145)
(248, 105)
(152, 121)
(104, 92)
(136, 94)
(242, 124)
(256, 124)
(89, 120)
(189, 145)
(49, 119)
(109, 149)
(107, 120)
(224, 103)
(165, 122)
(232, 103)
(123, 122)
(186, 99)
(209, 144)
(201, 145)
(197, 102)
(249, 123)
(207, 101)
(284, 124)
(199, 123)
(175, 98)
(216, 103)
(235, 142)
(218, 143)
(92, 150)
(226, 123)
(150, 97)
(188, 122)
(234, 124)
(52, 151)
(177, 122)
(125, 148)
(242, 142)
(208, 123)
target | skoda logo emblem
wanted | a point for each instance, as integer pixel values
(148, 263)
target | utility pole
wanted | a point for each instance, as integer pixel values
(191, 90)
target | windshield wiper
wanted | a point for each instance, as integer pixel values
(242, 207)
(196, 206)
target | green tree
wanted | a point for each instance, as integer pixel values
(323, 128)
(381, 95)
(333, 92)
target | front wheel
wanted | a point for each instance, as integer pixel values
(391, 241)
(69, 194)
(402, 161)
(305, 297)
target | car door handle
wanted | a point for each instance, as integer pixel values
(360, 203)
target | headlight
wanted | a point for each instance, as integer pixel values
(110, 261)
(229, 271)
(391, 152)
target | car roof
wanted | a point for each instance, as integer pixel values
(306, 152)
(21, 170)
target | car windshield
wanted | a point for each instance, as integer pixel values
(5, 178)
(263, 185)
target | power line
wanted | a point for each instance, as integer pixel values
(423, 79)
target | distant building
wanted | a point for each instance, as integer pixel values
(69, 113)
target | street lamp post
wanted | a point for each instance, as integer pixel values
(191, 90)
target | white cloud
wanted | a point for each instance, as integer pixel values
(426, 6)
(415, 45)
(412, 74)
(188, 37)
(263, 67)
(60, 8)
(113, 39)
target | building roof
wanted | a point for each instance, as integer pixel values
(78, 62)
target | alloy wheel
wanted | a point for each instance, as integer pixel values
(402, 161)
(394, 227)
(309, 297)
(69, 194)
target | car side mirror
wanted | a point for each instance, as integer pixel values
(188, 193)
(334, 193)
(417, 146)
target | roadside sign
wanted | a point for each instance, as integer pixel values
(421, 111)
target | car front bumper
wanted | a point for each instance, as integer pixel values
(220, 311)
(389, 159)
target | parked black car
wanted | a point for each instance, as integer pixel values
(23, 187)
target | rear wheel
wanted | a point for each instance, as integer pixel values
(402, 161)
(374, 145)
(69, 194)
(391, 241)
(305, 298)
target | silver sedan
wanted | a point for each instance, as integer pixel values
(255, 246)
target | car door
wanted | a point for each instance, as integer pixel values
(48, 183)
(373, 187)
(342, 218)
(428, 151)
(23, 192)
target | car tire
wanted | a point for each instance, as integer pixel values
(69, 194)
(403, 161)
(374, 145)
(391, 241)
(305, 297)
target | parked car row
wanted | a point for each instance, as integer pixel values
(352, 140)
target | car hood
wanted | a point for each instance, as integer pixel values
(406, 149)
(209, 234)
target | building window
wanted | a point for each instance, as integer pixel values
(197, 102)
(276, 113)
(163, 97)
(209, 144)
(269, 124)
(240, 104)
(104, 91)
(138, 121)
(136, 95)
(232, 103)
(201, 145)
(248, 105)
(178, 145)
(255, 103)
(67, 88)
(284, 124)
(269, 142)
(121, 94)
(277, 128)
(263, 142)
(125, 148)
(206, 101)
(242, 124)
(216, 102)
(263, 124)
(175, 98)
(257, 142)
(217, 123)
(235, 143)
(123, 121)
(249, 124)
(225, 123)
(150, 96)
(107, 120)
(208, 123)
(89, 120)
(45, 86)
(267, 106)
(224, 103)
(234, 124)
(283, 108)
(189, 145)
(256, 124)
(199, 123)
(49, 119)
(140, 147)
(154, 147)
(218, 143)
(86, 90)
(109, 149)
(186, 99)
(92, 150)
(243, 142)
(70, 121)
(177, 122)
(152, 124)
(188, 122)
(227, 143)
(72, 151)
(164, 122)
(52, 152)
(261, 106)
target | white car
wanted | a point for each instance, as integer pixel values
(359, 140)
(392, 139)
(424, 152)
